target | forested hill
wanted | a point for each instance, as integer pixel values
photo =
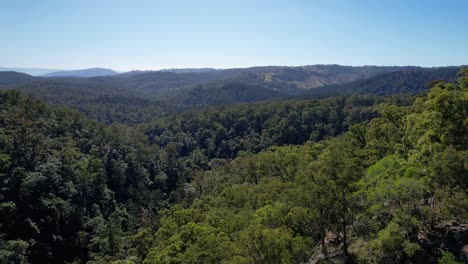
(140, 97)
(362, 178)
(8, 78)
(411, 81)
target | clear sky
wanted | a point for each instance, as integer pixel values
(153, 34)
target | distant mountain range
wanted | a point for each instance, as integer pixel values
(44, 72)
(85, 73)
(107, 92)
(94, 72)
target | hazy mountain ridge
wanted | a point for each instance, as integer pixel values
(86, 73)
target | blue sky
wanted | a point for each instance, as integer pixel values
(152, 34)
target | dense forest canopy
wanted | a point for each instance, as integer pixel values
(365, 178)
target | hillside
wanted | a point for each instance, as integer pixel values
(412, 81)
(307, 77)
(224, 94)
(290, 84)
(8, 78)
(101, 101)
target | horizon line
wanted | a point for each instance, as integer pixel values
(227, 68)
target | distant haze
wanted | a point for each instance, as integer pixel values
(30, 71)
(92, 72)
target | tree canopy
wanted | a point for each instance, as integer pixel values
(361, 178)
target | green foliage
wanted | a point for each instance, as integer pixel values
(14, 252)
(392, 245)
(194, 243)
(273, 245)
(67, 183)
(448, 258)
